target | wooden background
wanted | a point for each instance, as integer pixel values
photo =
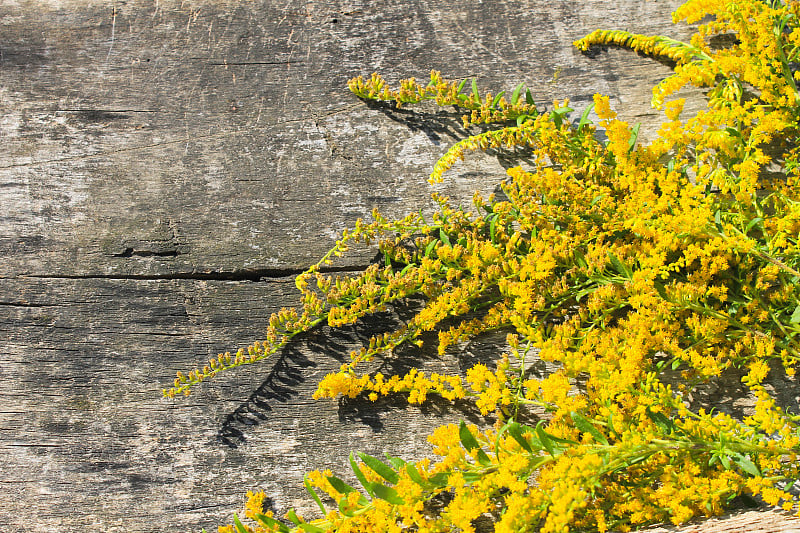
(166, 168)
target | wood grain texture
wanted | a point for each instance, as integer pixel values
(166, 167)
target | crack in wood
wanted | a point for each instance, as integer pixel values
(193, 138)
(132, 252)
(21, 304)
(255, 275)
(254, 63)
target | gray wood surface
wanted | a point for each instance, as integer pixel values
(166, 167)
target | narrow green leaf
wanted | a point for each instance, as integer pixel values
(755, 222)
(557, 115)
(746, 464)
(305, 526)
(444, 238)
(430, 247)
(293, 518)
(475, 94)
(661, 290)
(314, 494)
(415, 476)
(579, 258)
(634, 136)
(544, 438)
(497, 99)
(271, 522)
(472, 477)
(515, 430)
(359, 474)
(586, 426)
(529, 97)
(238, 524)
(585, 117)
(725, 461)
(492, 226)
(597, 199)
(340, 485)
(439, 479)
(468, 440)
(619, 266)
(470, 443)
(344, 506)
(387, 493)
(662, 422)
(396, 462)
(380, 468)
(515, 94)
(796, 315)
(461, 86)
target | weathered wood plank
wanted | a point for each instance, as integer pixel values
(166, 166)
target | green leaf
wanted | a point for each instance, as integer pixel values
(492, 226)
(468, 440)
(662, 422)
(239, 526)
(755, 222)
(746, 464)
(472, 477)
(497, 98)
(634, 136)
(305, 526)
(544, 438)
(529, 97)
(725, 461)
(340, 485)
(579, 258)
(558, 115)
(475, 94)
(515, 430)
(470, 443)
(314, 494)
(415, 476)
(359, 474)
(387, 493)
(430, 247)
(515, 94)
(380, 468)
(661, 290)
(271, 522)
(444, 238)
(344, 507)
(586, 426)
(795, 316)
(293, 518)
(461, 86)
(619, 266)
(396, 462)
(439, 479)
(585, 120)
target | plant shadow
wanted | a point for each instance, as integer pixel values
(326, 348)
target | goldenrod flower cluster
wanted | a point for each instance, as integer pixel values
(642, 272)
